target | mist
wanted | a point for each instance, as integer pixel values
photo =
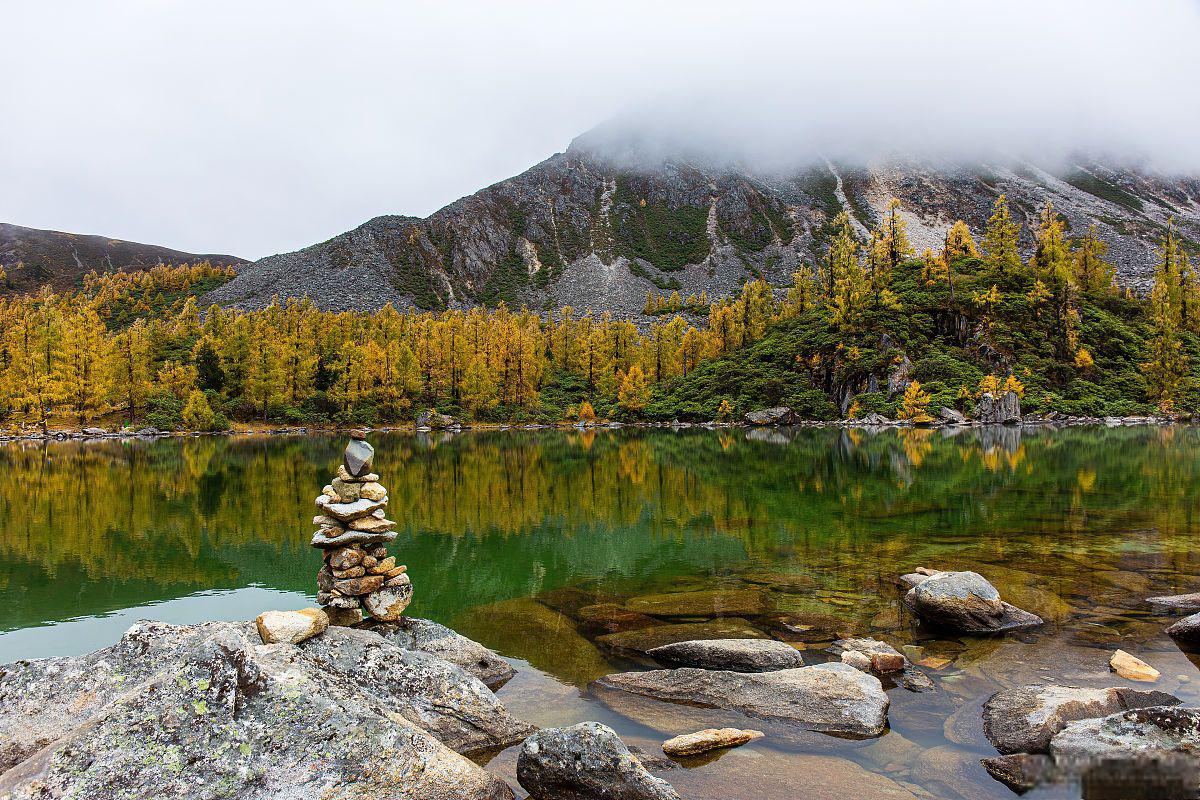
(253, 128)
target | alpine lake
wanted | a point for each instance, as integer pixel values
(544, 546)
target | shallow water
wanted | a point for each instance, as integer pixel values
(552, 546)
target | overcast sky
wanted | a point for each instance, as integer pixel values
(254, 127)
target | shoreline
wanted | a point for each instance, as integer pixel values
(97, 434)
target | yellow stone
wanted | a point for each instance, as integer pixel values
(1132, 667)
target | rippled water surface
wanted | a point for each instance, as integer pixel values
(544, 546)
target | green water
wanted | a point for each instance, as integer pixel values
(507, 535)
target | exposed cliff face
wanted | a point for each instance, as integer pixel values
(62, 259)
(580, 229)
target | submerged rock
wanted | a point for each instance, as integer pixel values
(1020, 772)
(642, 640)
(1177, 602)
(965, 602)
(430, 637)
(585, 762)
(196, 710)
(736, 655)
(693, 744)
(524, 628)
(830, 698)
(707, 603)
(1024, 719)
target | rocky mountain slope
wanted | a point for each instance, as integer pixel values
(587, 230)
(32, 258)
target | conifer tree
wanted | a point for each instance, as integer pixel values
(959, 243)
(1092, 272)
(1000, 239)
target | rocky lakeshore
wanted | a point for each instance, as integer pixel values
(407, 708)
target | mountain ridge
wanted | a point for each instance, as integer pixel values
(588, 231)
(35, 257)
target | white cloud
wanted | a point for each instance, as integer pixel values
(264, 126)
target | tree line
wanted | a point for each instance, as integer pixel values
(135, 345)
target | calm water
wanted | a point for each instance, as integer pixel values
(508, 535)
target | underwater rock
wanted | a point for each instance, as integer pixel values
(736, 655)
(707, 603)
(643, 640)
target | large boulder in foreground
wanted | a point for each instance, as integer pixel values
(585, 762)
(430, 637)
(830, 698)
(965, 602)
(736, 655)
(208, 711)
(1024, 719)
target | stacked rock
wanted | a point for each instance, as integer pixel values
(358, 574)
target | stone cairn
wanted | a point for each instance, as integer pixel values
(358, 574)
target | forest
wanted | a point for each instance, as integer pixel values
(873, 327)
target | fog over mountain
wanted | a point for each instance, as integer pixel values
(259, 128)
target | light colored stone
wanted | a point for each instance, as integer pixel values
(387, 603)
(372, 525)
(352, 572)
(1158, 731)
(692, 744)
(373, 491)
(856, 659)
(291, 627)
(343, 538)
(1132, 667)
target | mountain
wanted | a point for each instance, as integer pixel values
(596, 229)
(62, 259)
